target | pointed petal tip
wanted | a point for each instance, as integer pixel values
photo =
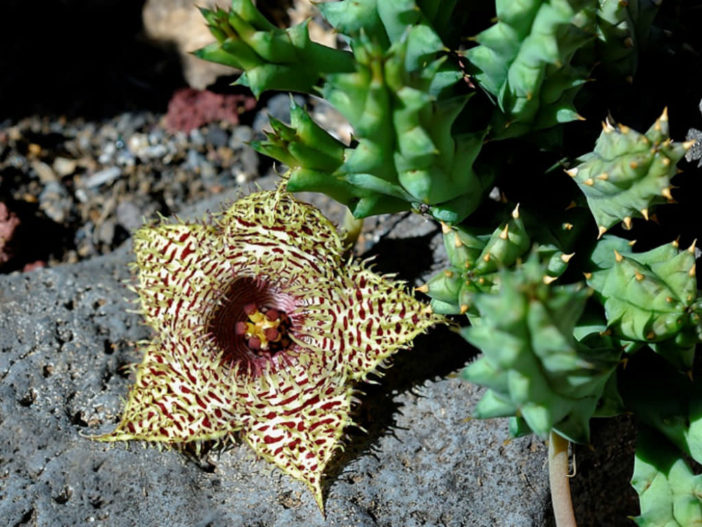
(318, 497)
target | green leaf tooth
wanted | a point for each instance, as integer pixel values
(304, 145)
(505, 245)
(518, 427)
(303, 180)
(484, 372)
(374, 204)
(494, 405)
(445, 286)
(445, 308)
(351, 16)
(462, 246)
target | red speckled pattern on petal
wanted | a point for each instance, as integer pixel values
(202, 285)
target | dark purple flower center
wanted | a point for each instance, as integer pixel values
(254, 324)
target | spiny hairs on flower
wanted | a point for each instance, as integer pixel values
(262, 331)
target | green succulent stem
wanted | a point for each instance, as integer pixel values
(559, 482)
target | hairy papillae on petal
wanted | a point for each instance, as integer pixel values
(262, 330)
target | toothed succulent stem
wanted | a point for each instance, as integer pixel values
(271, 58)
(628, 173)
(524, 61)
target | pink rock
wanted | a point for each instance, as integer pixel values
(39, 264)
(8, 223)
(190, 108)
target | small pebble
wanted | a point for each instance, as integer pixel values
(128, 215)
(44, 172)
(106, 232)
(249, 161)
(102, 177)
(241, 137)
(64, 166)
(55, 202)
(108, 152)
(216, 136)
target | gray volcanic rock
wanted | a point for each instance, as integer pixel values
(66, 336)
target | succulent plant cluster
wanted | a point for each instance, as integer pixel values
(440, 96)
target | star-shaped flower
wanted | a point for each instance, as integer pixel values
(263, 329)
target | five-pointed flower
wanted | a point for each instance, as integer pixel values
(263, 329)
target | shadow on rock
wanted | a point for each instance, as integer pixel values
(410, 258)
(436, 355)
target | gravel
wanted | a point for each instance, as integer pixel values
(76, 174)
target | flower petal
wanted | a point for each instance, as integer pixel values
(182, 393)
(297, 422)
(282, 238)
(180, 272)
(363, 320)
